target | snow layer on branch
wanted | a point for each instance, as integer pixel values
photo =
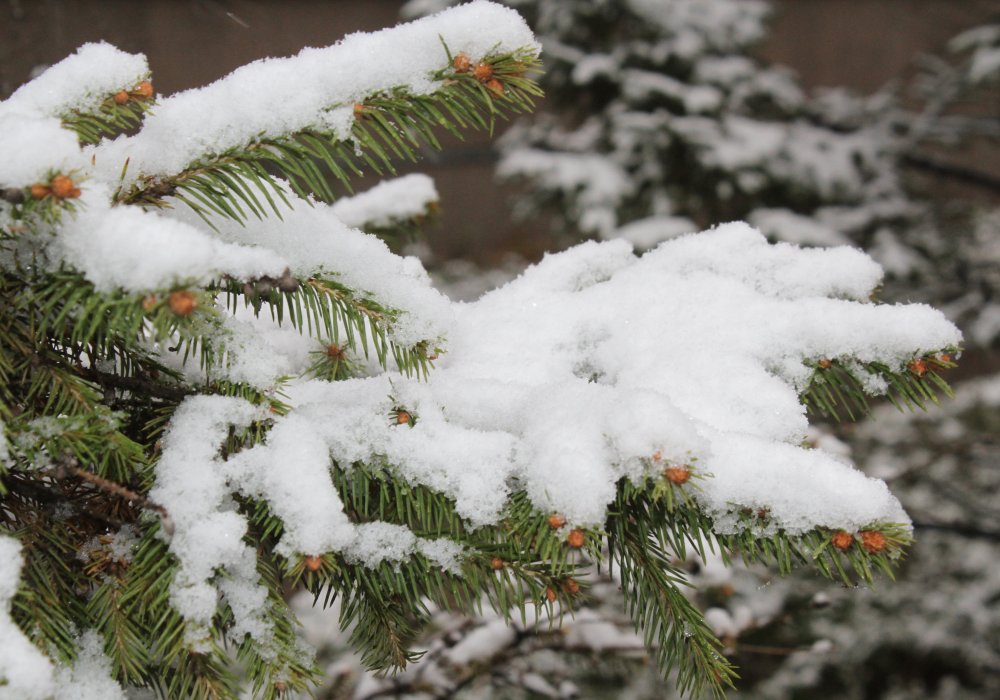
(32, 145)
(314, 241)
(89, 678)
(79, 81)
(576, 373)
(278, 96)
(388, 202)
(25, 672)
(137, 250)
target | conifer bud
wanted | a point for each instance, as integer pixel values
(576, 538)
(842, 540)
(182, 302)
(825, 363)
(550, 594)
(64, 188)
(144, 89)
(483, 72)
(497, 563)
(39, 191)
(571, 586)
(873, 541)
(677, 475)
(313, 563)
(121, 97)
(556, 521)
(918, 367)
(403, 417)
(461, 63)
(495, 87)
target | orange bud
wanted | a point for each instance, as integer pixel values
(918, 367)
(182, 302)
(313, 563)
(121, 97)
(483, 72)
(149, 302)
(825, 363)
(144, 89)
(495, 86)
(40, 191)
(556, 521)
(873, 541)
(571, 586)
(64, 188)
(677, 475)
(461, 63)
(842, 540)
(576, 538)
(550, 594)
(497, 563)
(403, 417)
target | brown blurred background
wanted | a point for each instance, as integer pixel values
(861, 44)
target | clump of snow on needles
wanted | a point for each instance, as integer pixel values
(316, 88)
(25, 672)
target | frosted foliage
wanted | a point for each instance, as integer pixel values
(89, 678)
(283, 95)
(312, 240)
(25, 672)
(606, 380)
(79, 81)
(388, 202)
(126, 247)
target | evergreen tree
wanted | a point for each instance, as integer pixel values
(215, 391)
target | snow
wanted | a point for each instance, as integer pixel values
(89, 678)
(316, 88)
(568, 379)
(80, 81)
(388, 202)
(136, 250)
(25, 672)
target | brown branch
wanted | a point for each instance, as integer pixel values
(69, 465)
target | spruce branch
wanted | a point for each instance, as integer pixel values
(247, 181)
(118, 113)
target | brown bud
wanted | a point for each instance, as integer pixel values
(576, 538)
(497, 563)
(495, 86)
(571, 586)
(148, 302)
(918, 367)
(873, 541)
(313, 563)
(64, 188)
(39, 191)
(461, 63)
(182, 302)
(144, 89)
(677, 475)
(121, 97)
(483, 72)
(556, 521)
(334, 350)
(825, 363)
(550, 594)
(842, 540)
(403, 417)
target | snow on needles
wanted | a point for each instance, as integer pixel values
(573, 376)
(316, 88)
